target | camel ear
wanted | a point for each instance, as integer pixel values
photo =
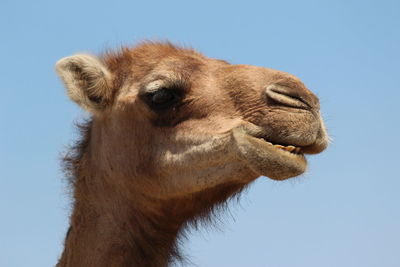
(87, 80)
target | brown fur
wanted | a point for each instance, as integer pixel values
(141, 176)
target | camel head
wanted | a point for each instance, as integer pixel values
(169, 122)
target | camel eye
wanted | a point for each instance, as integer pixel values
(163, 99)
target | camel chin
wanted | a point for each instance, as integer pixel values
(273, 161)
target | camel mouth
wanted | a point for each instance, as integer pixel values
(287, 148)
(276, 161)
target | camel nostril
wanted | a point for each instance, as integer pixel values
(285, 96)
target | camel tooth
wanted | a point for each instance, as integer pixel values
(279, 146)
(297, 150)
(289, 148)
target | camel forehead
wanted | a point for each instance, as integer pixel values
(147, 57)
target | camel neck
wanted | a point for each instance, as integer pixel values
(107, 232)
(114, 223)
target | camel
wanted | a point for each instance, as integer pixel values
(173, 135)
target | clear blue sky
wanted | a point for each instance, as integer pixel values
(344, 212)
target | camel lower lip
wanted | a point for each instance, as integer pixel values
(273, 161)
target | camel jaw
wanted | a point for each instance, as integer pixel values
(273, 161)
